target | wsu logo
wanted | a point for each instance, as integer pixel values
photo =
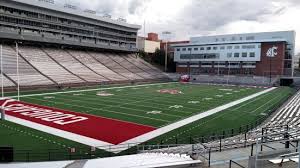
(272, 52)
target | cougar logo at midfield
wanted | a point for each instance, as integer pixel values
(272, 52)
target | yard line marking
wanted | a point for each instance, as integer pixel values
(173, 126)
(134, 103)
(98, 89)
(96, 109)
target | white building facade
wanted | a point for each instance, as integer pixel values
(239, 53)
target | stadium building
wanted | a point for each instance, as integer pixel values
(46, 22)
(64, 45)
(260, 54)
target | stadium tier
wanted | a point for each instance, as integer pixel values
(52, 66)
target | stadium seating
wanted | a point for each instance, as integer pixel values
(145, 66)
(126, 71)
(74, 66)
(27, 74)
(112, 65)
(54, 66)
(289, 114)
(41, 61)
(120, 58)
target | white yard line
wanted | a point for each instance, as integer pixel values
(87, 90)
(64, 134)
(134, 141)
(168, 128)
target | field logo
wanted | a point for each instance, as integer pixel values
(170, 91)
(272, 52)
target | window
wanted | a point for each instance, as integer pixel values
(222, 48)
(259, 46)
(202, 48)
(244, 54)
(229, 47)
(236, 55)
(178, 49)
(233, 39)
(250, 38)
(252, 54)
(223, 39)
(229, 55)
(208, 48)
(217, 40)
(190, 49)
(241, 38)
(248, 46)
(196, 49)
(184, 49)
(236, 47)
(215, 48)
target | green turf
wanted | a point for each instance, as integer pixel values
(132, 104)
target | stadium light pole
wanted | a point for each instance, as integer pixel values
(166, 36)
(18, 77)
(190, 62)
(166, 57)
(1, 55)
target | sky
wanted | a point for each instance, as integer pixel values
(186, 18)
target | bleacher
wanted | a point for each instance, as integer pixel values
(45, 65)
(74, 66)
(288, 114)
(54, 66)
(126, 72)
(146, 66)
(27, 74)
(112, 65)
(132, 67)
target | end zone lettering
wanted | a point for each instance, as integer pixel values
(59, 118)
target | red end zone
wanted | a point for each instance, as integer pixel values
(99, 128)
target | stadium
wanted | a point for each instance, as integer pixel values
(76, 93)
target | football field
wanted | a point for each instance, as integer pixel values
(117, 114)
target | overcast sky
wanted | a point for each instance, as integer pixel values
(186, 18)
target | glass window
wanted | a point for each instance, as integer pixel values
(184, 49)
(229, 47)
(202, 48)
(250, 38)
(241, 38)
(222, 48)
(196, 49)
(244, 54)
(215, 48)
(236, 47)
(252, 54)
(178, 49)
(236, 55)
(229, 55)
(190, 49)
(208, 48)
